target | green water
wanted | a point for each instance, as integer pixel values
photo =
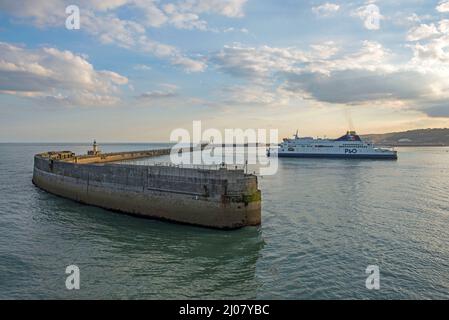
(324, 222)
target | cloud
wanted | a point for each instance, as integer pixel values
(433, 51)
(111, 30)
(437, 110)
(228, 8)
(326, 9)
(423, 31)
(432, 54)
(131, 35)
(38, 13)
(443, 6)
(265, 61)
(354, 86)
(166, 91)
(150, 14)
(143, 67)
(186, 20)
(168, 95)
(259, 94)
(232, 29)
(51, 75)
(326, 49)
(104, 5)
(186, 14)
(157, 95)
(255, 62)
(443, 26)
(189, 65)
(183, 14)
(99, 19)
(367, 76)
(250, 95)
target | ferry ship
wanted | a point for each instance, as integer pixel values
(348, 146)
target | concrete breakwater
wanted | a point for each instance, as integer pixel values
(218, 198)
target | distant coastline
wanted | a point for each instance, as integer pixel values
(412, 138)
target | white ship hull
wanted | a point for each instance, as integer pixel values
(337, 156)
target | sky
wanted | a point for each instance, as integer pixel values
(136, 70)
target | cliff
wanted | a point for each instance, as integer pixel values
(422, 137)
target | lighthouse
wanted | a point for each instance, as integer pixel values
(95, 151)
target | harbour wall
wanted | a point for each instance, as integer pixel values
(69, 156)
(218, 198)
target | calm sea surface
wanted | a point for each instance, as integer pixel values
(324, 222)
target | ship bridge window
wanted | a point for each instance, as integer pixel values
(353, 146)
